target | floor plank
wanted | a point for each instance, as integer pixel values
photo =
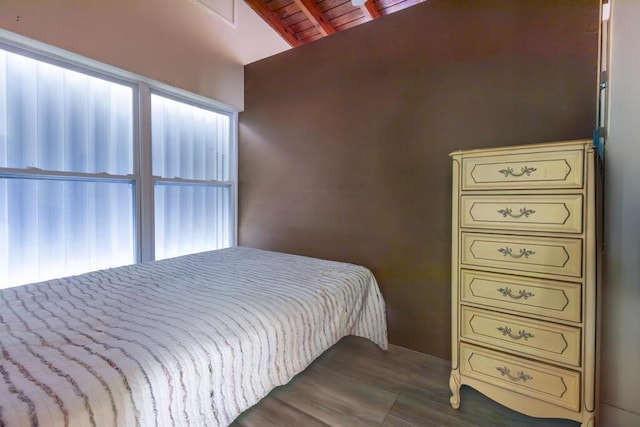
(274, 412)
(336, 399)
(354, 383)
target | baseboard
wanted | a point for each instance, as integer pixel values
(615, 417)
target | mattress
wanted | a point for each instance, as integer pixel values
(193, 340)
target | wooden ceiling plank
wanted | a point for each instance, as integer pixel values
(370, 10)
(294, 19)
(315, 15)
(325, 5)
(308, 33)
(309, 39)
(383, 4)
(275, 5)
(288, 10)
(303, 26)
(396, 7)
(341, 20)
(340, 10)
(357, 21)
(274, 21)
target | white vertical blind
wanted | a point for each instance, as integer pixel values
(191, 218)
(54, 119)
(58, 119)
(55, 228)
(190, 144)
(71, 165)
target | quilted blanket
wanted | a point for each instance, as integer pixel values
(193, 340)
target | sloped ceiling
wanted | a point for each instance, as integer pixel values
(303, 21)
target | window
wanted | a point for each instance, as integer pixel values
(73, 164)
(191, 170)
(66, 187)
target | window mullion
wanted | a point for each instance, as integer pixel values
(145, 192)
(233, 176)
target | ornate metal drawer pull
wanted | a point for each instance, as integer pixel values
(523, 212)
(508, 251)
(524, 171)
(506, 292)
(521, 376)
(506, 331)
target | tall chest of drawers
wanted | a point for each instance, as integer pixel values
(524, 288)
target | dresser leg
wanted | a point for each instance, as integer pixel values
(454, 385)
(589, 420)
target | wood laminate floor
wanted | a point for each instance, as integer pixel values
(354, 383)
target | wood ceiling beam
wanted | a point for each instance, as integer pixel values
(315, 15)
(274, 21)
(370, 10)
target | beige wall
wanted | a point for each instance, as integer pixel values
(621, 287)
(172, 41)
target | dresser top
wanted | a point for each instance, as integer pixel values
(544, 147)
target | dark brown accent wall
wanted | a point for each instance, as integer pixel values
(344, 142)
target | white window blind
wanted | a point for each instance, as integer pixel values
(56, 228)
(66, 171)
(101, 168)
(191, 218)
(57, 119)
(191, 168)
(189, 142)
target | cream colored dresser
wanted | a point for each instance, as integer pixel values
(524, 278)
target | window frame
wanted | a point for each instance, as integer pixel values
(149, 196)
(142, 178)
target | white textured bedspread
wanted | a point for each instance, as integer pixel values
(192, 341)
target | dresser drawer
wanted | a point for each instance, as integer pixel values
(558, 169)
(548, 256)
(559, 300)
(526, 213)
(539, 339)
(544, 382)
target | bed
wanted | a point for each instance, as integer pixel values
(193, 340)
